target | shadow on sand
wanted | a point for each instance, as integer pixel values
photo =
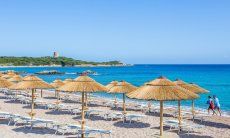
(134, 124)
(182, 133)
(212, 124)
(27, 130)
(158, 114)
(56, 112)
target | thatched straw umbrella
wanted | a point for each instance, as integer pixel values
(1, 74)
(83, 84)
(31, 82)
(56, 84)
(67, 80)
(109, 86)
(15, 79)
(162, 89)
(5, 83)
(191, 87)
(122, 87)
(8, 75)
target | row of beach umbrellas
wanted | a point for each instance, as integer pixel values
(160, 89)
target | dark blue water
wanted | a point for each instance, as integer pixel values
(215, 78)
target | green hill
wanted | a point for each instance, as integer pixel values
(49, 61)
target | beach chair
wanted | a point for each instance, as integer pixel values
(41, 123)
(64, 107)
(90, 112)
(75, 111)
(5, 116)
(174, 125)
(17, 119)
(63, 128)
(89, 131)
(113, 116)
(132, 117)
(50, 106)
(200, 116)
(40, 102)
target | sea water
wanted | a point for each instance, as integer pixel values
(215, 78)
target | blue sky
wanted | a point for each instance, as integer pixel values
(133, 31)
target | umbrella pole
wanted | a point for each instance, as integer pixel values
(149, 106)
(115, 100)
(55, 93)
(193, 110)
(161, 118)
(86, 100)
(124, 108)
(41, 93)
(179, 115)
(32, 105)
(82, 116)
(57, 97)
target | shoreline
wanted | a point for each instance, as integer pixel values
(53, 66)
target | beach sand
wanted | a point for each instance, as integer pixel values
(147, 127)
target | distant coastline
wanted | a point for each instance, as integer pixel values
(124, 65)
(10, 61)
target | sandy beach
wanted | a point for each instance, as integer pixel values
(148, 126)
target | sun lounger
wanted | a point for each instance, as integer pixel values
(132, 117)
(90, 112)
(17, 119)
(5, 116)
(112, 116)
(200, 116)
(51, 106)
(174, 124)
(63, 107)
(38, 123)
(87, 132)
(75, 111)
(40, 102)
(65, 128)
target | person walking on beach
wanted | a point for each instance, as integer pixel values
(216, 104)
(211, 105)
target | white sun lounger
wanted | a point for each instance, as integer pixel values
(174, 124)
(39, 123)
(132, 117)
(5, 116)
(90, 112)
(113, 115)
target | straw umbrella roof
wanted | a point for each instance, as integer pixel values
(162, 89)
(201, 90)
(122, 87)
(82, 84)
(1, 74)
(67, 80)
(57, 83)
(15, 79)
(8, 75)
(111, 84)
(31, 82)
(191, 87)
(5, 83)
(57, 80)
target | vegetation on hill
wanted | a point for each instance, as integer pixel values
(49, 61)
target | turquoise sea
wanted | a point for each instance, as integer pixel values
(215, 78)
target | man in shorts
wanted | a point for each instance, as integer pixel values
(216, 104)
